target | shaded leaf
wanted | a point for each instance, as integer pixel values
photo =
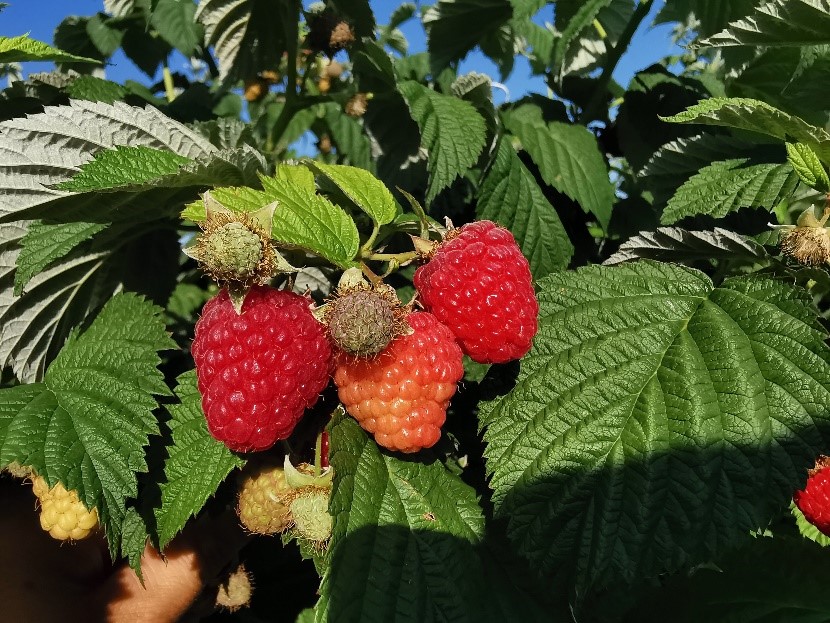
(196, 465)
(87, 423)
(675, 244)
(175, 22)
(778, 23)
(657, 419)
(511, 197)
(729, 185)
(569, 160)
(404, 536)
(757, 116)
(452, 132)
(456, 27)
(772, 579)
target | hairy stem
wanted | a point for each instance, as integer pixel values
(612, 57)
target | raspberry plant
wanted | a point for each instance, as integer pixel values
(638, 463)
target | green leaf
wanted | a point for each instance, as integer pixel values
(451, 131)
(782, 77)
(366, 191)
(373, 68)
(455, 27)
(757, 116)
(123, 166)
(247, 35)
(778, 23)
(197, 463)
(306, 616)
(72, 36)
(352, 144)
(46, 242)
(134, 537)
(526, 8)
(569, 160)
(583, 18)
(95, 90)
(404, 12)
(106, 39)
(175, 22)
(39, 152)
(674, 244)
(22, 48)
(729, 185)
(710, 16)
(773, 579)
(511, 197)
(302, 219)
(657, 419)
(677, 161)
(147, 50)
(307, 220)
(808, 167)
(403, 546)
(87, 423)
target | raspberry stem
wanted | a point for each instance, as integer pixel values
(318, 454)
(366, 249)
(400, 258)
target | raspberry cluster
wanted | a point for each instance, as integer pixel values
(479, 299)
(264, 357)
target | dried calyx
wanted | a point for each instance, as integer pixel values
(328, 32)
(808, 241)
(363, 318)
(235, 592)
(358, 104)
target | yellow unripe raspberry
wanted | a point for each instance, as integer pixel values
(62, 514)
(261, 495)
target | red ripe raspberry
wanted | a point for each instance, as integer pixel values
(258, 371)
(478, 283)
(401, 396)
(814, 500)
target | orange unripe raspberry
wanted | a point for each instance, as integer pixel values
(401, 396)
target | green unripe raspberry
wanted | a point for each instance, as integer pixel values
(362, 323)
(233, 251)
(310, 511)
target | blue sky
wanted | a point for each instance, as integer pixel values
(40, 17)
